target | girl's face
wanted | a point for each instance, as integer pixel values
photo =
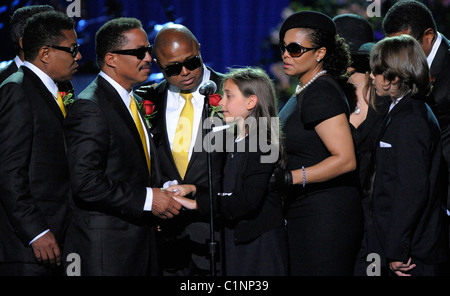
(234, 104)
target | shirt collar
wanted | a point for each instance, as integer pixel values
(434, 49)
(195, 95)
(123, 93)
(48, 82)
(18, 61)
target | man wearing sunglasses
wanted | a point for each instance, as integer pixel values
(34, 174)
(183, 247)
(114, 168)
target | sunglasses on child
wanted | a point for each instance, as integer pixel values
(190, 64)
(295, 50)
(137, 52)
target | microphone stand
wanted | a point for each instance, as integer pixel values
(212, 243)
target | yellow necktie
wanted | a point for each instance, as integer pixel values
(61, 104)
(137, 121)
(183, 135)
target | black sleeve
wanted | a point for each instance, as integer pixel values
(322, 100)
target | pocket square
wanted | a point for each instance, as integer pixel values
(385, 145)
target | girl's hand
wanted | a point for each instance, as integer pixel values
(188, 203)
(181, 190)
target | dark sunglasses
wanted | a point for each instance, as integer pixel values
(295, 50)
(137, 52)
(190, 64)
(72, 50)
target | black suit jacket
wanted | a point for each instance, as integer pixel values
(406, 217)
(8, 71)
(252, 209)
(34, 176)
(188, 224)
(439, 100)
(109, 228)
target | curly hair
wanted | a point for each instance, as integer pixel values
(336, 61)
(337, 58)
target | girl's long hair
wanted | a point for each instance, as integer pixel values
(255, 81)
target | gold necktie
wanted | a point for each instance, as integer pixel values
(137, 121)
(183, 135)
(61, 104)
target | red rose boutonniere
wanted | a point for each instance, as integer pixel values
(67, 92)
(148, 107)
(430, 89)
(214, 100)
(67, 98)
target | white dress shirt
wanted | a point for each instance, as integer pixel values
(175, 104)
(434, 49)
(18, 62)
(394, 102)
(46, 80)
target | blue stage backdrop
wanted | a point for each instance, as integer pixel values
(231, 32)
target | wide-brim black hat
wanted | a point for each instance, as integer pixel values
(355, 29)
(308, 19)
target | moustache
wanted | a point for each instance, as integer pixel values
(145, 66)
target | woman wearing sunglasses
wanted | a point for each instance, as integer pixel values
(323, 210)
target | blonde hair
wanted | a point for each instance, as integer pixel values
(402, 57)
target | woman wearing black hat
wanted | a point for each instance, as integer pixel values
(323, 209)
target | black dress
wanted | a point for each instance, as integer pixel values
(255, 236)
(324, 220)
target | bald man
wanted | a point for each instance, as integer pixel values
(183, 248)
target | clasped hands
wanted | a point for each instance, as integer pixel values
(280, 180)
(179, 192)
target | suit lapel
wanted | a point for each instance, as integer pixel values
(438, 63)
(120, 108)
(201, 132)
(46, 96)
(164, 137)
(388, 118)
(162, 92)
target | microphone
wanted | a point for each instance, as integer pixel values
(208, 88)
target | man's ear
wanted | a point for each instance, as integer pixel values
(110, 60)
(428, 36)
(44, 54)
(251, 102)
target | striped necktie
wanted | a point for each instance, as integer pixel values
(183, 135)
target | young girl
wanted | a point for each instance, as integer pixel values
(255, 239)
